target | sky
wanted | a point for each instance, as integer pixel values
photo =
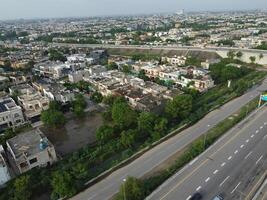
(27, 9)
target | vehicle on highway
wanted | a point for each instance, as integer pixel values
(196, 196)
(218, 197)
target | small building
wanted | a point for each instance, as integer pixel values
(11, 115)
(31, 149)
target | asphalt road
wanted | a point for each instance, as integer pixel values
(106, 188)
(167, 47)
(229, 167)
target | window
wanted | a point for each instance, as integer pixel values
(24, 164)
(34, 160)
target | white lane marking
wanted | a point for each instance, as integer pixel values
(224, 180)
(247, 140)
(252, 136)
(189, 197)
(265, 123)
(261, 127)
(241, 146)
(222, 164)
(198, 188)
(265, 137)
(193, 161)
(207, 179)
(248, 155)
(259, 160)
(235, 188)
(230, 157)
(257, 131)
(236, 151)
(216, 171)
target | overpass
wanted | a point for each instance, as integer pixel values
(221, 51)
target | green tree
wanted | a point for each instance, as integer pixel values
(123, 115)
(128, 138)
(79, 170)
(22, 188)
(132, 189)
(97, 97)
(146, 122)
(79, 105)
(53, 117)
(112, 66)
(126, 69)
(143, 75)
(252, 59)
(241, 86)
(62, 185)
(180, 107)
(161, 125)
(104, 133)
(261, 56)
(239, 54)
(231, 54)
(56, 55)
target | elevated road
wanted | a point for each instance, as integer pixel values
(109, 186)
(166, 47)
(230, 167)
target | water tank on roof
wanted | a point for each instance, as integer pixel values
(43, 144)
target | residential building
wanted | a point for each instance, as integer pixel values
(175, 60)
(56, 92)
(31, 101)
(11, 115)
(31, 149)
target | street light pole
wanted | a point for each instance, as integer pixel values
(124, 192)
(204, 143)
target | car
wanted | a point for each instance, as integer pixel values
(196, 196)
(218, 197)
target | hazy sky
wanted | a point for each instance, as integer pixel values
(12, 9)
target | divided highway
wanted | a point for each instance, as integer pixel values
(109, 186)
(229, 167)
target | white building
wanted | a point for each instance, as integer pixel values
(175, 60)
(10, 114)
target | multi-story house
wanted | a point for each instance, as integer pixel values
(31, 149)
(11, 115)
(31, 101)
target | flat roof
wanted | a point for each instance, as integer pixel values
(27, 143)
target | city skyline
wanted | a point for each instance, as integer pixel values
(29, 9)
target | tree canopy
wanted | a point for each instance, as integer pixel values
(62, 185)
(179, 107)
(21, 186)
(123, 115)
(53, 117)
